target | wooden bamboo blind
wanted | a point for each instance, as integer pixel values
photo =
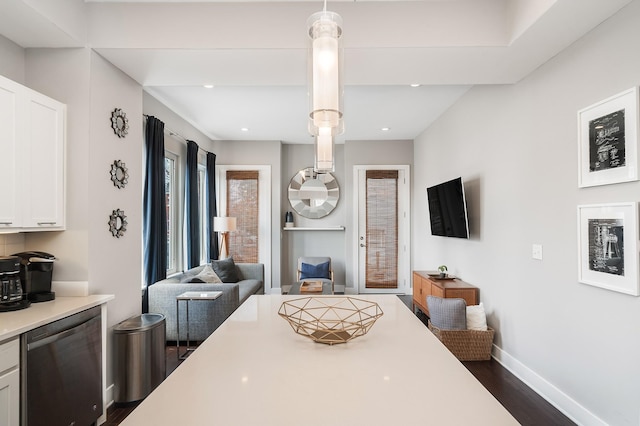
(242, 203)
(382, 229)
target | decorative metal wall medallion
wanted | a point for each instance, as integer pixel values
(119, 175)
(118, 223)
(119, 122)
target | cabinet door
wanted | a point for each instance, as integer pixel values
(421, 289)
(468, 294)
(44, 163)
(10, 383)
(10, 211)
(417, 286)
(10, 398)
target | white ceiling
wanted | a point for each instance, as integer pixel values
(254, 53)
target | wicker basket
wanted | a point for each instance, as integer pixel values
(466, 345)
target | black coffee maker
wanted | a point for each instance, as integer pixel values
(36, 272)
(12, 296)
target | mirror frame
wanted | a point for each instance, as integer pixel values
(117, 223)
(119, 166)
(122, 128)
(303, 206)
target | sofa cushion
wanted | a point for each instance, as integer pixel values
(476, 318)
(315, 271)
(207, 275)
(447, 314)
(226, 270)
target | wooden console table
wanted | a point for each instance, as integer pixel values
(426, 285)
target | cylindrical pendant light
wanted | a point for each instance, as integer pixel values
(324, 151)
(325, 85)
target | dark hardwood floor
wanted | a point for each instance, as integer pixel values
(529, 408)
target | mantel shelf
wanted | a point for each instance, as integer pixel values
(296, 228)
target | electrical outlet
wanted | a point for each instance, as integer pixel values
(536, 251)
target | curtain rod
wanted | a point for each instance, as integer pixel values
(175, 134)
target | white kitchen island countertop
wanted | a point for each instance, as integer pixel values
(254, 370)
(14, 323)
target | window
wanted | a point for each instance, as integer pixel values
(172, 204)
(262, 202)
(202, 214)
(242, 203)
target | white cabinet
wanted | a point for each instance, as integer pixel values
(34, 182)
(10, 383)
(10, 208)
(43, 173)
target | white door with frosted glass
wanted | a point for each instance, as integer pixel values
(382, 212)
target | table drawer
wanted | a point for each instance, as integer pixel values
(468, 295)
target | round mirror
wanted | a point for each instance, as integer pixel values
(117, 223)
(119, 123)
(313, 195)
(119, 174)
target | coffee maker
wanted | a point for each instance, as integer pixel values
(12, 296)
(36, 272)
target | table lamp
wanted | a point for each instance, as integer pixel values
(224, 225)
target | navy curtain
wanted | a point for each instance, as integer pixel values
(211, 205)
(154, 221)
(191, 206)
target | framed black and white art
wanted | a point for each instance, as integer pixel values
(608, 140)
(608, 246)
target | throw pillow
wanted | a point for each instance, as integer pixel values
(315, 271)
(207, 275)
(476, 318)
(226, 270)
(447, 314)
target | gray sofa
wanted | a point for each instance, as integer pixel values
(204, 316)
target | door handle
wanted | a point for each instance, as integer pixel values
(362, 245)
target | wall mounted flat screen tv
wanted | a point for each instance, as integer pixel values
(448, 209)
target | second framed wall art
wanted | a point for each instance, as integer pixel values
(608, 246)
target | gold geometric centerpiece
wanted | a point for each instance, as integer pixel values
(330, 320)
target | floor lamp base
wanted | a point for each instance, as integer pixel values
(224, 250)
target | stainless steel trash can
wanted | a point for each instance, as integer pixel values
(140, 363)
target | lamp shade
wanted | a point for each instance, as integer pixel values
(224, 224)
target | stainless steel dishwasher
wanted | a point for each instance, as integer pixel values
(61, 372)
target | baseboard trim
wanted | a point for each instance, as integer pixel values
(108, 402)
(108, 395)
(563, 402)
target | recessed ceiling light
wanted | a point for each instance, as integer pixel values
(208, 86)
(244, 129)
(415, 84)
(386, 129)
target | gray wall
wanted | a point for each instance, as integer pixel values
(336, 244)
(516, 148)
(91, 87)
(12, 64)
(260, 153)
(295, 244)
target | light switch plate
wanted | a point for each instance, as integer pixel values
(536, 251)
